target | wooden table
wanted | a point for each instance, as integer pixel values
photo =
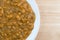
(50, 20)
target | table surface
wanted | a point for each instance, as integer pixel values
(50, 20)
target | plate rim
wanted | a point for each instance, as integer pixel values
(35, 31)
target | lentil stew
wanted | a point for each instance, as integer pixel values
(16, 19)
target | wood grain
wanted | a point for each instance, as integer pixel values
(50, 20)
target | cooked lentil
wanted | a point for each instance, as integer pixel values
(16, 19)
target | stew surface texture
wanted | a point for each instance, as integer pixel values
(16, 19)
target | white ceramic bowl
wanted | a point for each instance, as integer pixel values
(34, 32)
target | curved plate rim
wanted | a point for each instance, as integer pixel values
(34, 32)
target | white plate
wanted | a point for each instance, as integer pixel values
(34, 32)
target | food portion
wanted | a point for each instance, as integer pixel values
(16, 19)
